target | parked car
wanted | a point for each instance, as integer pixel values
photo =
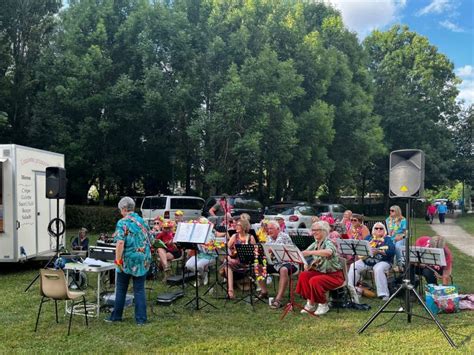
(240, 204)
(336, 210)
(296, 216)
(166, 206)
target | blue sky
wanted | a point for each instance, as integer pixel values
(448, 24)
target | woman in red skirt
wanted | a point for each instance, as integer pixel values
(324, 272)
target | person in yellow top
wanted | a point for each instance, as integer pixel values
(262, 232)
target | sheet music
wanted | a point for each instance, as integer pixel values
(428, 256)
(192, 233)
(362, 247)
(284, 253)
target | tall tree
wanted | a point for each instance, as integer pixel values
(415, 98)
(25, 26)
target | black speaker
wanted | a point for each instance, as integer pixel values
(407, 173)
(55, 182)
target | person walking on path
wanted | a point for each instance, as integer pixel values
(431, 211)
(442, 209)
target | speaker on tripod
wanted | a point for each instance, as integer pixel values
(407, 173)
(55, 182)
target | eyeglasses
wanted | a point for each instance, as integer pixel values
(378, 228)
(316, 230)
(354, 220)
(392, 210)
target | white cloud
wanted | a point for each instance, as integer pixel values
(451, 26)
(436, 7)
(363, 16)
(465, 71)
(466, 89)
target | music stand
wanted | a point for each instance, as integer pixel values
(189, 236)
(285, 253)
(216, 272)
(246, 255)
(355, 248)
(427, 256)
(301, 238)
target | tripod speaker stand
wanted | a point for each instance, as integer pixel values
(409, 289)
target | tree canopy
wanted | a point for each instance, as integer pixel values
(273, 97)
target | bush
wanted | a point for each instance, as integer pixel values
(94, 218)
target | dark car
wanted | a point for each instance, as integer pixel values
(336, 210)
(240, 204)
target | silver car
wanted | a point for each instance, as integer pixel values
(299, 216)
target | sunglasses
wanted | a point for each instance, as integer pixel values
(354, 220)
(315, 230)
(378, 228)
(392, 210)
(156, 223)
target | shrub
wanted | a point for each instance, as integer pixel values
(94, 218)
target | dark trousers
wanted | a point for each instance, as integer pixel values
(122, 282)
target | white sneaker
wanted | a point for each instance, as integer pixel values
(323, 308)
(308, 308)
(205, 279)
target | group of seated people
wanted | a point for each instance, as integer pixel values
(325, 261)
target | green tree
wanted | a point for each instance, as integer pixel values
(25, 28)
(415, 99)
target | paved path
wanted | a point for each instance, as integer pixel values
(455, 235)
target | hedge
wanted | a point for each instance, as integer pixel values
(95, 218)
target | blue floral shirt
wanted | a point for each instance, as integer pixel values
(133, 230)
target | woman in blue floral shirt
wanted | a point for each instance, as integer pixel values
(132, 259)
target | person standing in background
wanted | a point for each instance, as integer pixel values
(442, 209)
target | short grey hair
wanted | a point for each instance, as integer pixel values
(126, 203)
(323, 225)
(379, 224)
(273, 223)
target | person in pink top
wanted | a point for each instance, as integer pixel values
(434, 273)
(430, 212)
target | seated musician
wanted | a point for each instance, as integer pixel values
(383, 251)
(433, 273)
(167, 250)
(275, 236)
(323, 274)
(358, 230)
(233, 264)
(81, 242)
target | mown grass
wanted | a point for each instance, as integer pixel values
(466, 222)
(233, 328)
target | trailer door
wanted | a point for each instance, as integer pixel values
(43, 215)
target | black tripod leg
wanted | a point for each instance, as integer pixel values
(376, 314)
(440, 327)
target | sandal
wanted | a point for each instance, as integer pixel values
(276, 304)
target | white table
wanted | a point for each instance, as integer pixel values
(93, 309)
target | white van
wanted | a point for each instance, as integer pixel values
(166, 206)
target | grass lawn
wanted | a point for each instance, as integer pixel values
(467, 223)
(233, 328)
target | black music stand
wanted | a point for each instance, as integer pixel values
(301, 238)
(189, 236)
(427, 256)
(216, 281)
(246, 255)
(355, 248)
(284, 253)
(195, 300)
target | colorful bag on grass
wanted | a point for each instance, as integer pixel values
(442, 299)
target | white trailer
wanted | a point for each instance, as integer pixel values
(25, 212)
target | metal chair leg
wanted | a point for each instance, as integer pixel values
(56, 309)
(85, 310)
(39, 312)
(70, 319)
